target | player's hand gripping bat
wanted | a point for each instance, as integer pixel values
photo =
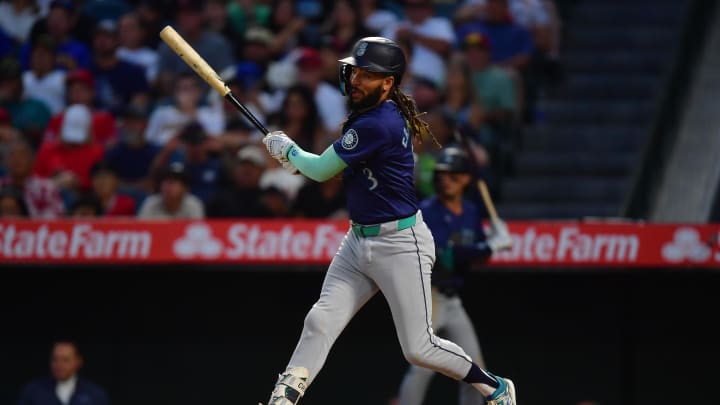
(178, 44)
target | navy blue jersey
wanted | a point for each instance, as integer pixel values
(462, 233)
(379, 178)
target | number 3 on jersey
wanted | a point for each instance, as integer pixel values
(406, 137)
(373, 180)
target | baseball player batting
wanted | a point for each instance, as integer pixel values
(460, 241)
(388, 247)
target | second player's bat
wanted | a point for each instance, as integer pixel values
(186, 52)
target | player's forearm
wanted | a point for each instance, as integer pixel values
(317, 167)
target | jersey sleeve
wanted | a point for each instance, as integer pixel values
(360, 142)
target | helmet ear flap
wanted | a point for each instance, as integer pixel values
(344, 73)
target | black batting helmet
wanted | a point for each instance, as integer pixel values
(452, 159)
(374, 54)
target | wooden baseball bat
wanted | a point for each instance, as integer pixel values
(186, 52)
(487, 200)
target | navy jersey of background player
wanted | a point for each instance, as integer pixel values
(462, 233)
(379, 178)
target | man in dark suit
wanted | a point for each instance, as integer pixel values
(65, 386)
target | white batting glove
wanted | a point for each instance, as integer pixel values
(278, 144)
(499, 236)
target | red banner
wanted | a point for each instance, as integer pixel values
(599, 244)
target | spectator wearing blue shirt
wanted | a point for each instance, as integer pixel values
(512, 44)
(71, 53)
(192, 148)
(65, 386)
(133, 156)
(118, 82)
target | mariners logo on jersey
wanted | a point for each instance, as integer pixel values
(350, 139)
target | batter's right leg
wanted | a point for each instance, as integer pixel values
(344, 291)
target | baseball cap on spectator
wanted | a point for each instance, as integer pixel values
(76, 124)
(136, 110)
(193, 134)
(476, 39)
(252, 154)
(177, 171)
(259, 35)
(80, 75)
(107, 26)
(309, 59)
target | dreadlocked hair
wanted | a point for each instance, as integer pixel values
(418, 127)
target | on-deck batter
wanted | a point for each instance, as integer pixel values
(388, 247)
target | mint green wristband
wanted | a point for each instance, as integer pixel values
(317, 167)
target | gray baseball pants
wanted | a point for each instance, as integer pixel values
(397, 263)
(451, 321)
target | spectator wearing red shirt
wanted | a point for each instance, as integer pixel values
(41, 195)
(105, 184)
(80, 89)
(68, 160)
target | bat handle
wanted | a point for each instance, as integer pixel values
(249, 115)
(487, 200)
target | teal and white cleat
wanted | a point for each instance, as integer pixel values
(504, 394)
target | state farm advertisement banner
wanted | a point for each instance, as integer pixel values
(315, 242)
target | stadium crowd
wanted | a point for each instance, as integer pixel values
(98, 117)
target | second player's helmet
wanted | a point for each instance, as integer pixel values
(452, 159)
(375, 54)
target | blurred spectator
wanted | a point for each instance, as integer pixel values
(132, 156)
(68, 161)
(442, 125)
(244, 14)
(286, 25)
(511, 44)
(174, 200)
(313, 12)
(374, 18)
(460, 101)
(61, 21)
(43, 81)
(243, 197)
(275, 202)
(426, 93)
(256, 50)
(17, 18)
(117, 82)
(30, 116)
(344, 27)
(87, 205)
(65, 385)
(191, 147)
(167, 120)
(105, 185)
(12, 204)
(210, 45)
(132, 48)
(321, 200)
(217, 19)
(275, 176)
(494, 87)
(431, 37)
(152, 15)
(41, 195)
(299, 118)
(330, 102)
(80, 89)
(7, 45)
